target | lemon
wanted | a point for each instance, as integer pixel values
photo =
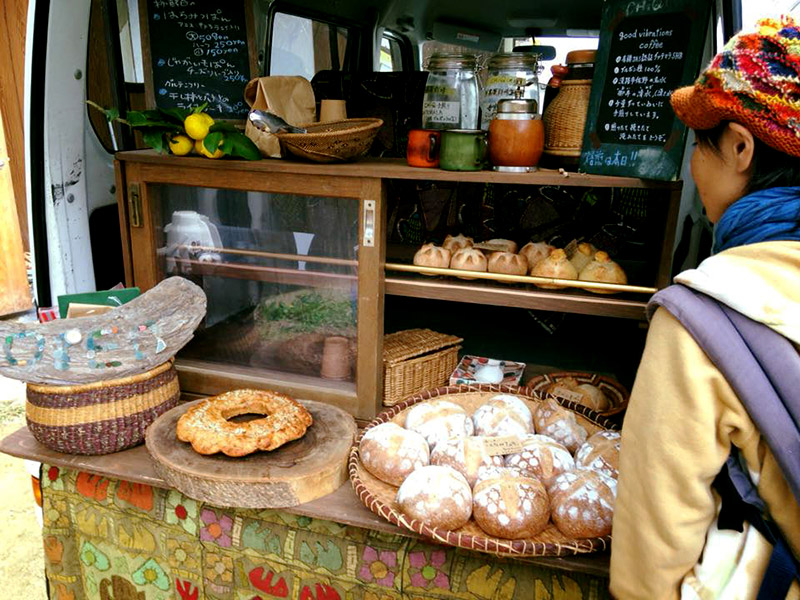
(180, 145)
(201, 149)
(197, 125)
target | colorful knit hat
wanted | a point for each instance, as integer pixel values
(754, 81)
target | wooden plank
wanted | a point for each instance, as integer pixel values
(664, 276)
(391, 168)
(122, 210)
(369, 369)
(268, 274)
(342, 506)
(483, 293)
(142, 237)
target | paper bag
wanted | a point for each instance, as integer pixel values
(288, 96)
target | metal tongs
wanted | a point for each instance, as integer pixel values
(267, 121)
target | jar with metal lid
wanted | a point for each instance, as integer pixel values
(516, 134)
(451, 93)
(504, 73)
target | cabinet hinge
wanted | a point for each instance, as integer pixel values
(134, 205)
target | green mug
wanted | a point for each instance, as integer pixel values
(463, 150)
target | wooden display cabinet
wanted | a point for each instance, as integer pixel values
(241, 230)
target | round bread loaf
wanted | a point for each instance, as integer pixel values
(536, 251)
(503, 415)
(543, 457)
(438, 420)
(432, 256)
(582, 503)
(562, 425)
(466, 455)
(510, 505)
(508, 263)
(501, 245)
(587, 394)
(390, 452)
(601, 453)
(554, 265)
(453, 243)
(437, 495)
(468, 259)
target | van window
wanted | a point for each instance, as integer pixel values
(303, 46)
(391, 53)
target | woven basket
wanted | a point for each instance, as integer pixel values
(416, 359)
(565, 118)
(332, 141)
(614, 390)
(379, 496)
(102, 417)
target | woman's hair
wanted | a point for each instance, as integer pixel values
(771, 168)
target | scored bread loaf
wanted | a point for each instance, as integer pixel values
(437, 495)
(582, 503)
(453, 243)
(432, 256)
(507, 504)
(438, 420)
(502, 415)
(536, 251)
(466, 455)
(554, 265)
(562, 425)
(508, 263)
(542, 457)
(601, 453)
(468, 259)
(500, 245)
(390, 452)
(587, 394)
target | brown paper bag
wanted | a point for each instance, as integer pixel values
(291, 97)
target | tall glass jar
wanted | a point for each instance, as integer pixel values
(451, 93)
(504, 73)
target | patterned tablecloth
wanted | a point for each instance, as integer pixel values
(110, 539)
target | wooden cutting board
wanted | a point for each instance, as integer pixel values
(300, 471)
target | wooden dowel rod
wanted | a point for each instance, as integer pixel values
(311, 259)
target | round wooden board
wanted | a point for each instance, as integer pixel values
(300, 471)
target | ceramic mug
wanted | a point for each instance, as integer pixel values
(423, 148)
(463, 150)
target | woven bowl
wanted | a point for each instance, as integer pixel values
(103, 417)
(614, 390)
(333, 141)
(379, 496)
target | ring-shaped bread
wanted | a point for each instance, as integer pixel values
(208, 428)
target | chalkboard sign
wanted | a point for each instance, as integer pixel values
(647, 49)
(198, 51)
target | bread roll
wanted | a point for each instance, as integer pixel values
(466, 455)
(503, 415)
(438, 420)
(453, 243)
(604, 270)
(582, 503)
(439, 496)
(601, 453)
(536, 251)
(468, 259)
(390, 452)
(555, 265)
(584, 393)
(508, 263)
(432, 256)
(562, 425)
(543, 458)
(500, 245)
(510, 505)
(583, 255)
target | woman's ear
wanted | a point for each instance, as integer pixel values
(738, 146)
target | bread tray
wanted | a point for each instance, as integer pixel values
(614, 390)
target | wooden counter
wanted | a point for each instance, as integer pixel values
(342, 506)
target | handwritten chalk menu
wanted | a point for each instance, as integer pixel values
(198, 51)
(647, 49)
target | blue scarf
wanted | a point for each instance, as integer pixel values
(766, 215)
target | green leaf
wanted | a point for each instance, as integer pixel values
(175, 114)
(212, 141)
(243, 147)
(201, 108)
(155, 139)
(227, 145)
(223, 126)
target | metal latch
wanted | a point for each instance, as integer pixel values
(134, 205)
(368, 237)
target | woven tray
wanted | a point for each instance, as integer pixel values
(379, 496)
(613, 389)
(332, 141)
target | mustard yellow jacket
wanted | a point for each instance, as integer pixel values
(681, 421)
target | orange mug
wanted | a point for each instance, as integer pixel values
(423, 148)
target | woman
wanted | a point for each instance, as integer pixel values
(683, 417)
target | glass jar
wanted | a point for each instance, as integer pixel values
(451, 93)
(504, 73)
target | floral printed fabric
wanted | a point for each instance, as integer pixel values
(108, 539)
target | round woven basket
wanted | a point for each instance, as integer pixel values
(102, 417)
(379, 496)
(616, 393)
(332, 141)
(565, 118)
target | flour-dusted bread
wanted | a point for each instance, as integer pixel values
(604, 270)
(508, 263)
(601, 453)
(453, 243)
(468, 259)
(536, 251)
(554, 265)
(390, 452)
(510, 505)
(466, 455)
(438, 420)
(502, 415)
(432, 256)
(562, 425)
(582, 503)
(587, 394)
(542, 457)
(437, 495)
